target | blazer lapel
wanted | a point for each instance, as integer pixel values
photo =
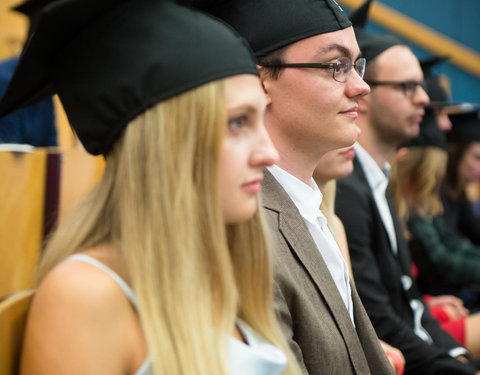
(403, 251)
(295, 232)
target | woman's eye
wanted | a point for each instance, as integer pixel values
(237, 122)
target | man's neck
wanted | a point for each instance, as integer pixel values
(298, 163)
(299, 170)
(296, 155)
(378, 150)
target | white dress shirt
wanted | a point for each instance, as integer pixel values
(378, 182)
(307, 199)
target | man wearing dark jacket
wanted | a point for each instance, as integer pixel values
(388, 116)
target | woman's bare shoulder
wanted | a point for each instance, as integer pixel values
(74, 318)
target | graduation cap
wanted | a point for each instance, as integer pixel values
(465, 126)
(436, 85)
(370, 44)
(438, 89)
(430, 133)
(31, 9)
(269, 25)
(110, 60)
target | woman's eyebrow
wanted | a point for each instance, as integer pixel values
(250, 109)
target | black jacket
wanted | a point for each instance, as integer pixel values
(378, 274)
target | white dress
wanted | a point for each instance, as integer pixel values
(257, 357)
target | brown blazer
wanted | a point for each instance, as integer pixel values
(312, 314)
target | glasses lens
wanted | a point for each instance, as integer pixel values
(410, 88)
(360, 66)
(343, 65)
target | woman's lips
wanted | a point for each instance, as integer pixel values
(253, 187)
(350, 153)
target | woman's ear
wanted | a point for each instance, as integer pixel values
(401, 153)
(265, 81)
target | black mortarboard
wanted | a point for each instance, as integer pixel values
(109, 60)
(31, 7)
(269, 25)
(430, 133)
(438, 93)
(465, 127)
(370, 44)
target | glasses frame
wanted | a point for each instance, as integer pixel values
(407, 91)
(359, 66)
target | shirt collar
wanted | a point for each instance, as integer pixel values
(376, 177)
(307, 198)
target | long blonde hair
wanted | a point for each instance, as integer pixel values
(328, 202)
(416, 180)
(158, 204)
(455, 183)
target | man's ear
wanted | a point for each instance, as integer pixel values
(265, 81)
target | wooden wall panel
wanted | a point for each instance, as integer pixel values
(22, 192)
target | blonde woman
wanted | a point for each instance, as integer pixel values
(163, 268)
(417, 173)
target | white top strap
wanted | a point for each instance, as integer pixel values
(88, 259)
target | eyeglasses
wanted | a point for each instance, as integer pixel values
(341, 67)
(409, 88)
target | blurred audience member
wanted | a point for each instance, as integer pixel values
(390, 115)
(34, 124)
(443, 261)
(463, 168)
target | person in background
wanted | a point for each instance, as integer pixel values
(390, 115)
(35, 124)
(463, 169)
(311, 72)
(444, 308)
(164, 267)
(438, 90)
(440, 256)
(333, 165)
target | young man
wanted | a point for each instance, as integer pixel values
(389, 116)
(311, 109)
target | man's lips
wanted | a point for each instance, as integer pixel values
(417, 118)
(351, 112)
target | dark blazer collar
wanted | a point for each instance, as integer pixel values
(402, 247)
